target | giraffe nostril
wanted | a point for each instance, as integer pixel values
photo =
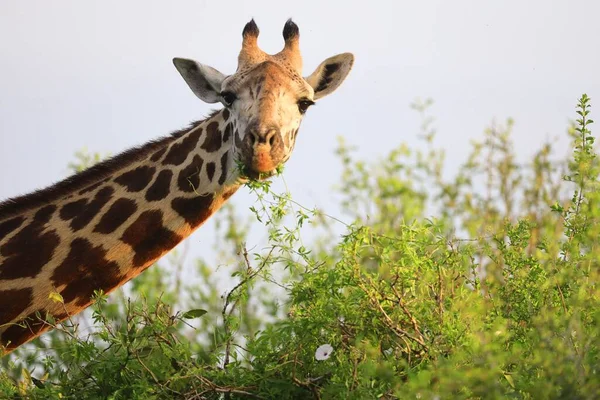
(267, 137)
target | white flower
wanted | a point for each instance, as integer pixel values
(323, 352)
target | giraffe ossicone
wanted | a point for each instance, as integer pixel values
(100, 228)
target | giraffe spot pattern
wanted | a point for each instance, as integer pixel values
(212, 141)
(116, 215)
(210, 170)
(81, 212)
(84, 270)
(44, 214)
(136, 179)
(149, 238)
(72, 209)
(10, 225)
(158, 154)
(223, 168)
(93, 186)
(238, 140)
(189, 177)
(160, 188)
(225, 114)
(28, 251)
(227, 132)
(194, 210)
(179, 151)
(12, 302)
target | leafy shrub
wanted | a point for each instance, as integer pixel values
(494, 297)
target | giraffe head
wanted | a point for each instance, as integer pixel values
(267, 97)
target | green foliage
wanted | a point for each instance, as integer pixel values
(482, 285)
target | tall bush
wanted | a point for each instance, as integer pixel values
(482, 285)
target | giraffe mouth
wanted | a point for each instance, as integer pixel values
(263, 162)
(260, 165)
(257, 175)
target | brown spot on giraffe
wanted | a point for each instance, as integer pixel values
(116, 216)
(189, 177)
(136, 180)
(179, 151)
(223, 169)
(212, 140)
(194, 210)
(238, 140)
(72, 209)
(160, 188)
(43, 215)
(210, 170)
(84, 270)
(10, 225)
(158, 154)
(227, 132)
(30, 249)
(93, 186)
(81, 212)
(225, 114)
(149, 238)
(13, 301)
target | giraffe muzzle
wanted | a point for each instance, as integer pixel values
(262, 151)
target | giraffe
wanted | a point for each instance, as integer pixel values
(101, 227)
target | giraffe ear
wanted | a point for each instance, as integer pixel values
(204, 81)
(330, 74)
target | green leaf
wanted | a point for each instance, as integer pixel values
(56, 297)
(556, 207)
(195, 313)
(510, 380)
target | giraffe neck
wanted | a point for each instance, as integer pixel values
(104, 226)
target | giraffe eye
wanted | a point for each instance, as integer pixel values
(228, 98)
(304, 104)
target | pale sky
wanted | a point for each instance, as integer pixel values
(99, 75)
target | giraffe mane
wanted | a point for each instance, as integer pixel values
(89, 176)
